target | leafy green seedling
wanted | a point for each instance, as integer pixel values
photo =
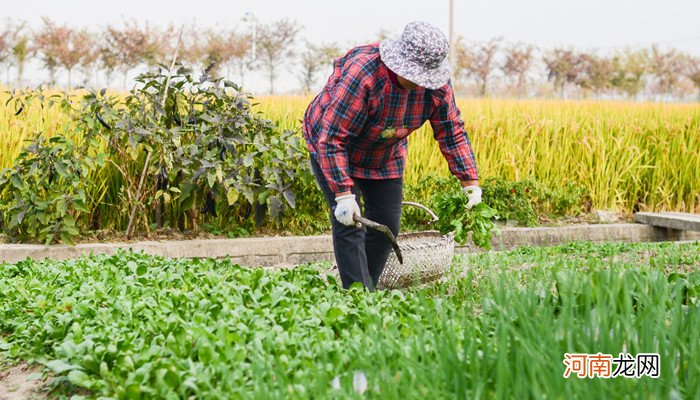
(456, 217)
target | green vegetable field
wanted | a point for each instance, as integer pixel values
(132, 326)
(533, 198)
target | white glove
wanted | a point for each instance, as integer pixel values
(473, 194)
(346, 208)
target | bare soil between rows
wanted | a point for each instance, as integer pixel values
(22, 382)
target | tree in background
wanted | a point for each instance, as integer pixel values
(90, 62)
(129, 47)
(313, 60)
(477, 61)
(275, 45)
(594, 72)
(562, 67)
(74, 47)
(328, 52)
(241, 57)
(227, 50)
(192, 47)
(485, 63)
(667, 67)
(600, 74)
(693, 72)
(83, 50)
(518, 62)
(216, 51)
(107, 60)
(6, 51)
(62, 46)
(154, 52)
(309, 67)
(666, 74)
(21, 50)
(630, 67)
(48, 42)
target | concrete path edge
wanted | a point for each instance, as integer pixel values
(290, 251)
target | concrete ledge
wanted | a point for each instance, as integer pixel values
(544, 236)
(673, 220)
(289, 251)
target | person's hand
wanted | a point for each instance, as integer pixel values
(346, 208)
(473, 194)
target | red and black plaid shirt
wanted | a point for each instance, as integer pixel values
(357, 126)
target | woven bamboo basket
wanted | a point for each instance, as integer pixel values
(427, 256)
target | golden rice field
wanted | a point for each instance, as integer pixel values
(624, 153)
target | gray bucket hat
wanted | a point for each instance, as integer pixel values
(419, 55)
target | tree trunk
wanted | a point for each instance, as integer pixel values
(271, 67)
(108, 77)
(69, 76)
(482, 88)
(20, 72)
(241, 71)
(521, 86)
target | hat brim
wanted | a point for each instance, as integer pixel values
(429, 78)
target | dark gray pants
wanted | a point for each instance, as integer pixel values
(357, 250)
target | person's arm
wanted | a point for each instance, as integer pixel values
(343, 118)
(448, 130)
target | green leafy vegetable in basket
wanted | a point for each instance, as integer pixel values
(455, 217)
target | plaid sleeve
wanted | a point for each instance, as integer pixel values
(344, 117)
(448, 130)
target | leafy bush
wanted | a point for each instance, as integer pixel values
(44, 194)
(207, 149)
(570, 199)
(526, 200)
(175, 147)
(512, 200)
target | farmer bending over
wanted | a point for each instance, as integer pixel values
(356, 130)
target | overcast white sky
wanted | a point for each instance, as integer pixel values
(585, 24)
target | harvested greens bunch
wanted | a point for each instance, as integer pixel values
(455, 217)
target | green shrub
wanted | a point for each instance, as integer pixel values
(523, 201)
(179, 154)
(527, 200)
(512, 200)
(43, 196)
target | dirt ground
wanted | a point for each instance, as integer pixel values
(21, 382)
